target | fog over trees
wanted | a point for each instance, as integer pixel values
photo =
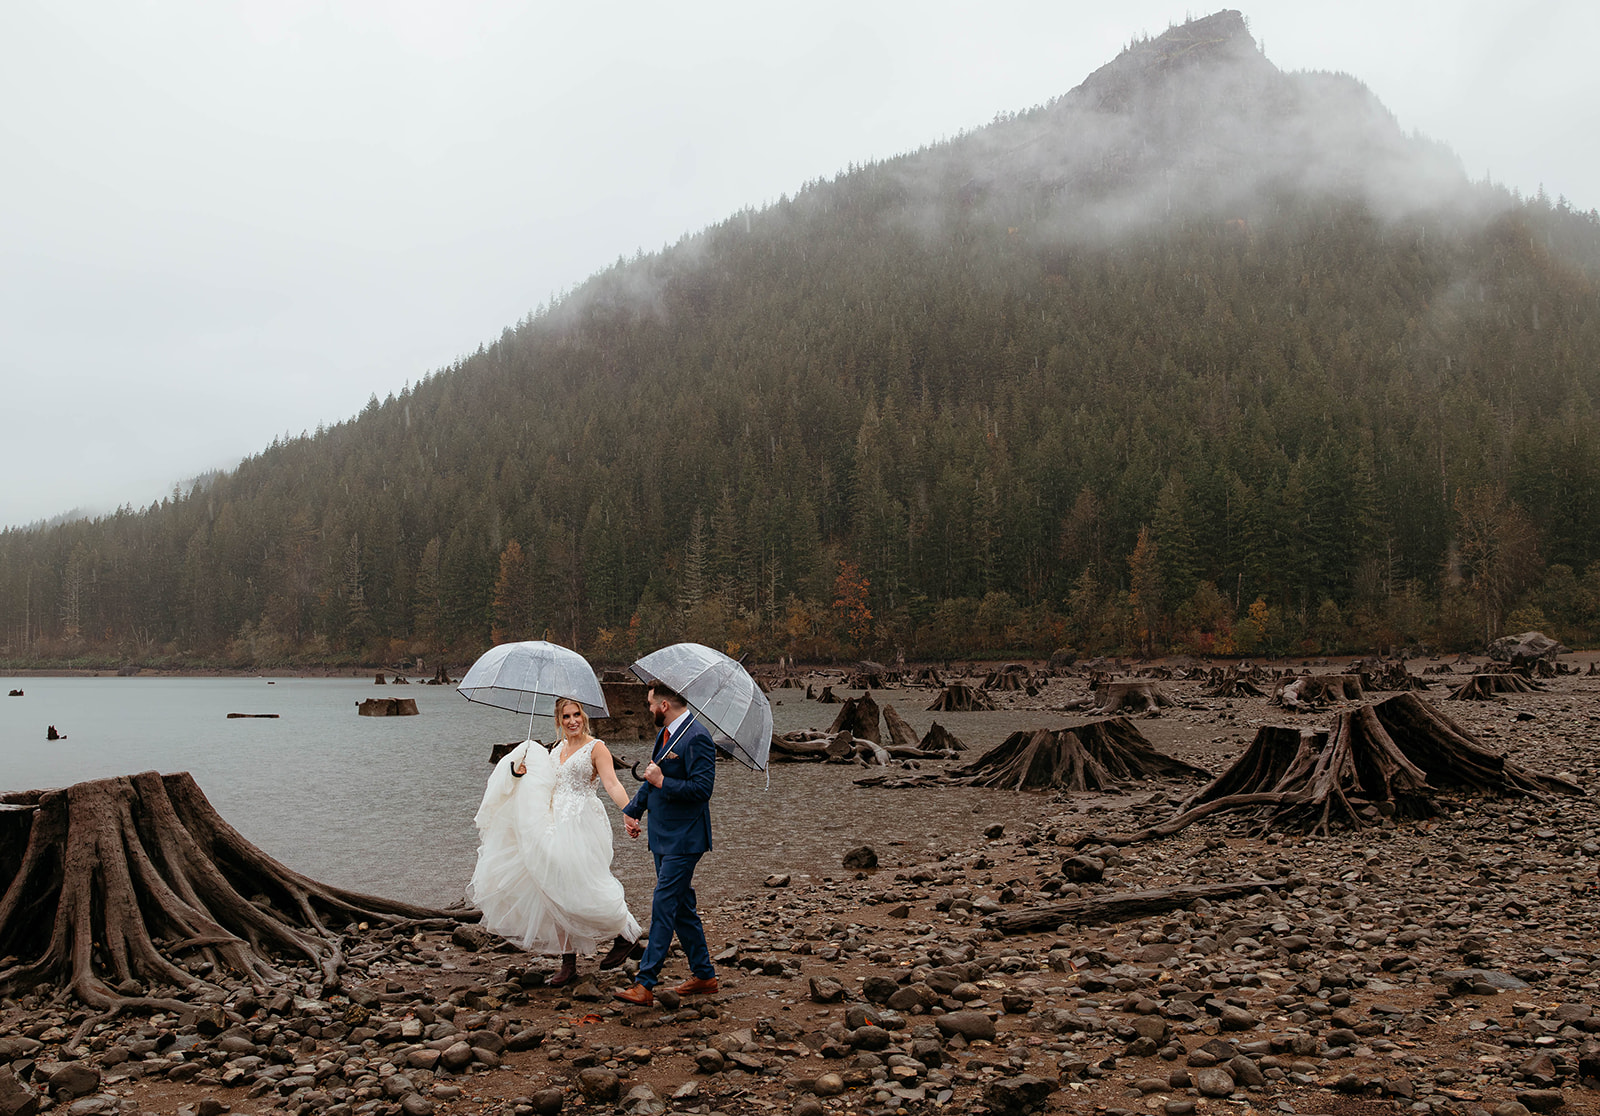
(1201, 356)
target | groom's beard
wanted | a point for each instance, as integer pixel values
(661, 719)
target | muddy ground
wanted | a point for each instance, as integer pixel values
(1444, 965)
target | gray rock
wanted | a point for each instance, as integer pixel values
(1213, 1081)
(1083, 869)
(525, 1040)
(1235, 1018)
(470, 937)
(826, 990)
(869, 1038)
(1023, 1093)
(1178, 1107)
(861, 858)
(415, 1104)
(828, 1085)
(16, 1099)
(1245, 1072)
(456, 1057)
(547, 1102)
(643, 1100)
(709, 1060)
(1542, 1100)
(807, 1106)
(970, 1025)
(74, 1079)
(599, 1086)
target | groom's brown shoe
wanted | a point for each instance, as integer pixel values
(620, 951)
(638, 995)
(697, 986)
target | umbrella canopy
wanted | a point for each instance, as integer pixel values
(722, 694)
(528, 677)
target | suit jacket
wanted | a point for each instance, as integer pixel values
(680, 808)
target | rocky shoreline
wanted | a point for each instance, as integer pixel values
(1443, 966)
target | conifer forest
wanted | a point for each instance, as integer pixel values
(1200, 357)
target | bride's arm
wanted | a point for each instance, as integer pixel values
(607, 771)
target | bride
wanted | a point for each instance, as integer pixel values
(544, 877)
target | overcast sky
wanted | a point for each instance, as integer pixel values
(221, 222)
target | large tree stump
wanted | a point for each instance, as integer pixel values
(958, 697)
(1483, 687)
(1096, 756)
(1043, 759)
(1380, 760)
(859, 717)
(1134, 696)
(1312, 690)
(129, 890)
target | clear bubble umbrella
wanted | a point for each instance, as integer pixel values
(722, 694)
(529, 677)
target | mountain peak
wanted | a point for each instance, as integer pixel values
(1219, 40)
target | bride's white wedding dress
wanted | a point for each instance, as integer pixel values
(544, 878)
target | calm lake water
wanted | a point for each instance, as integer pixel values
(385, 804)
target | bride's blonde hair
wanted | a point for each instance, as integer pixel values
(582, 712)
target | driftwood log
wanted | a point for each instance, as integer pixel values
(1122, 905)
(1380, 760)
(130, 891)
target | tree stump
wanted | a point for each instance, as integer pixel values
(1232, 684)
(939, 739)
(1483, 687)
(1134, 696)
(387, 707)
(859, 717)
(900, 733)
(958, 697)
(1391, 676)
(1380, 760)
(117, 884)
(1096, 756)
(1313, 690)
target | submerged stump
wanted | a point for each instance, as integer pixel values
(128, 891)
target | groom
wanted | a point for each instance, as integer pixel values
(677, 791)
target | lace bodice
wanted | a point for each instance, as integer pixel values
(573, 789)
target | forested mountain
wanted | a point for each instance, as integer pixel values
(1200, 355)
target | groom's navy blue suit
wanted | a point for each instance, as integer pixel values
(680, 834)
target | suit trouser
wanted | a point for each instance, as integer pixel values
(672, 911)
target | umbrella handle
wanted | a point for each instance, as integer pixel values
(635, 770)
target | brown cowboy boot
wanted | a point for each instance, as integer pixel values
(567, 973)
(620, 951)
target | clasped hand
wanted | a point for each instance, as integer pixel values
(632, 826)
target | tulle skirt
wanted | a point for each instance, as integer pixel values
(543, 878)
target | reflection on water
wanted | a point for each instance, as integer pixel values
(385, 804)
